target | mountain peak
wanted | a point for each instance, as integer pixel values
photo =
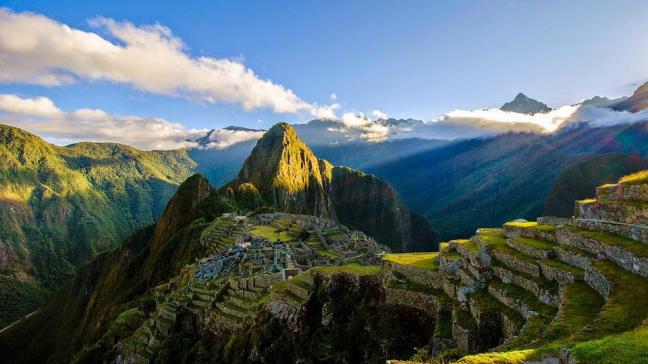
(525, 105)
(287, 173)
(637, 102)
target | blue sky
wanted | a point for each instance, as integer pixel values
(406, 58)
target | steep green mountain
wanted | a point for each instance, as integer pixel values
(525, 105)
(80, 312)
(579, 181)
(288, 176)
(486, 182)
(61, 206)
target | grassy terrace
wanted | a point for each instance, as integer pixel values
(577, 272)
(530, 225)
(451, 256)
(607, 238)
(425, 260)
(404, 283)
(271, 233)
(469, 245)
(579, 306)
(299, 281)
(543, 283)
(349, 268)
(577, 251)
(622, 348)
(529, 299)
(487, 303)
(535, 243)
(626, 307)
(635, 178)
(498, 243)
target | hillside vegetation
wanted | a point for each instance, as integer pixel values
(61, 206)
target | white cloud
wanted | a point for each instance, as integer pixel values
(41, 116)
(607, 117)
(35, 49)
(549, 121)
(40, 106)
(333, 97)
(223, 138)
(379, 114)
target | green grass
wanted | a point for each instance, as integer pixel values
(443, 246)
(626, 307)
(487, 303)
(271, 233)
(605, 237)
(511, 357)
(535, 243)
(635, 178)
(530, 225)
(299, 281)
(577, 272)
(579, 306)
(451, 256)
(499, 244)
(543, 283)
(628, 347)
(587, 201)
(349, 268)
(426, 260)
(490, 231)
(529, 299)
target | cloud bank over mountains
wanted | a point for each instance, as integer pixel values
(41, 116)
(41, 51)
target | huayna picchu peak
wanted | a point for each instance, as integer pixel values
(289, 177)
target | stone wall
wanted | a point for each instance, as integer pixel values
(635, 232)
(427, 303)
(521, 232)
(417, 275)
(622, 257)
(620, 211)
(513, 262)
(558, 275)
(598, 282)
(623, 191)
(543, 295)
(530, 251)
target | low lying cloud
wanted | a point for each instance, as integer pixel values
(41, 116)
(224, 138)
(601, 117)
(38, 50)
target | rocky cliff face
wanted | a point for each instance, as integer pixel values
(291, 178)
